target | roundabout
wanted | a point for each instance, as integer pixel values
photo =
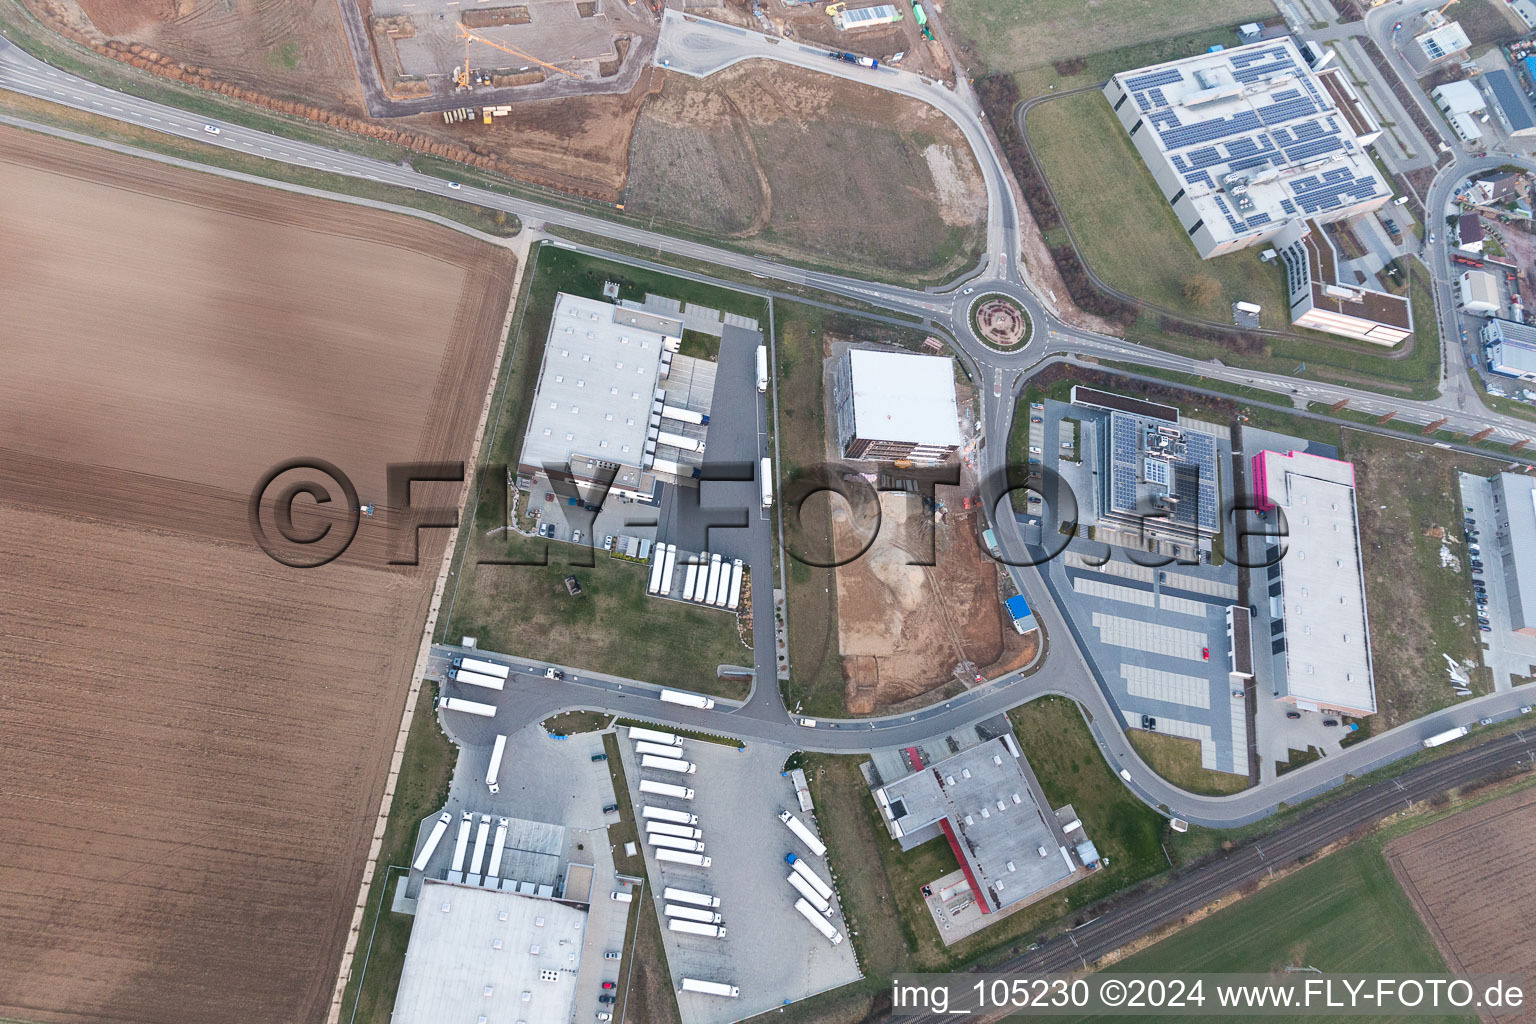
(999, 322)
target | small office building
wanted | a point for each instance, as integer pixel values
(895, 406)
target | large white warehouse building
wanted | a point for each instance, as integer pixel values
(1244, 141)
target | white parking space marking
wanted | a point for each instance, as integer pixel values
(1200, 585)
(1151, 637)
(1181, 605)
(1187, 730)
(1111, 591)
(1116, 567)
(1170, 687)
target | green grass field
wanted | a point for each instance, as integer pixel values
(1010, 36)
(1127, 233)
(1178, 760)
(524, 609)
(421, 789)
(1343, 914)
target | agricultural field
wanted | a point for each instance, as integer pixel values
(810, 167)
(524, 609)
(1008, 37)
(199, 733)
(1485, 927)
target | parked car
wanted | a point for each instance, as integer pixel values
(1205, 653)
(607, 984)
(575, 536)
(1486, 629)
(605, 998)
(1237, 694)
(212, 129)
(1293, 715)
(612, 954)
(553, 673)
(1036, 419)
(599, 757)
(1330, 721)
(1149, 723)
(1525, 710)
(611, 809)
(1485, 721)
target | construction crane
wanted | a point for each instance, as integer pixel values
(468, 36)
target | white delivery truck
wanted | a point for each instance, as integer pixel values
(698, 899)
(665, 789)
(480, 679)
(711, 988)
(713, 931)
(469, 707)
(767, 483)
(818, 922)
(480, 665)
(692, 914)
(668, 764)
(762, 368)
(439, 827)
(805, 835)
(494, 770)
(1446, 737)
(691, 700)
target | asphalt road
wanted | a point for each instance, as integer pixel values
(1197, 887)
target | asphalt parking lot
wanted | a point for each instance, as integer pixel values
(1507, 653)
(769, 951)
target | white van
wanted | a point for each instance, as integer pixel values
(622, 897)
(1125, 775)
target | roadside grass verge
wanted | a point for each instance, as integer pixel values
(420, 789)
(492, 222)
(1178, 760)
(573, 723)
(685, 734)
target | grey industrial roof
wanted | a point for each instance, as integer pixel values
(1150, 460)
(596, 384)
(479, 954)
(1512, 330)
(898, 396)
(1520, 506)
(966, 789)
(1517, 109)
(1507, 357)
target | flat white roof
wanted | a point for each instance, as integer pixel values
(483, 954)
(596, 384)
(1459, 97)
(1327, 636)
(1259, 115)
(898, 396)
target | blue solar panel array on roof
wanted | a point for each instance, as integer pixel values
(1157, 97)
(1215, 129)
(1165, 77)
(1199, 178)
(1142, 102)
(1277, 113)
(1258, 220)
(1309, 150)
(1287, 206)
(1316, 193)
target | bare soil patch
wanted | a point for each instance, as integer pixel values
(1469, 878)
(196, 738)
(804, 164)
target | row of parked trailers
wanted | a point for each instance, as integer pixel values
(709, 579)
(475, 868)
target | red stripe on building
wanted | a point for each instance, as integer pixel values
(917, 759)
(965, 865)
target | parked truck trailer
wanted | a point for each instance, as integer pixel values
(807, 890)
(711, 988)
(666, 828)
(467, 678)
(762, 368)
(672, 412)
(665, 814)
(498, 848)
(658, 563)
(461, 847)
(668, 764)
(766, 475)
(668, 569)
(494, 770)
(482, 841)
(692, 700)
(665, 789)
(1446, 737)
(469, 707)
(692, 914)
(713, 931)
(674, 843)
(804, 871)
(485, 668)
(658, 749)
(439, 829)
(736, 572)
(637, 734)
(698, 899)
(697, 860)
(714, 581)
(690, 578)
(805, 835)
(818, 922)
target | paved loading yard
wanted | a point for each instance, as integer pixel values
(769, 951)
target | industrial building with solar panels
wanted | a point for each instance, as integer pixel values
(1244, 141)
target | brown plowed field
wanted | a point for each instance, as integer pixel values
(1469, 876)
(193, 738)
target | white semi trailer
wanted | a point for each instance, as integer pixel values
(668, 569)
(482, 839)
(690, 578)
(713, 931)
(692, 914)
(762, 368)
(658, 563)
(469, 707)
(636, 733)
(658, 749)
(665, 789)
(461, 847)
(678, 441)
(439, 829)
(714, 580)
(1446, 737)
(702, 584)
(480, 679)
(666, 828)
(711, 988)
(674, 843)
(804, 871)
(723, 591)
(735, 600)
(692, 700)
(494, 770)
(697, 860)
(666, 814)
(498, 847)
(804, 834)
(812, 897)
(767, 483)
(672, 412)
(485, 668)
(698, 899)
(818, 922)
(668, 764)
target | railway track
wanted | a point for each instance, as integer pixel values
(1077, 949)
